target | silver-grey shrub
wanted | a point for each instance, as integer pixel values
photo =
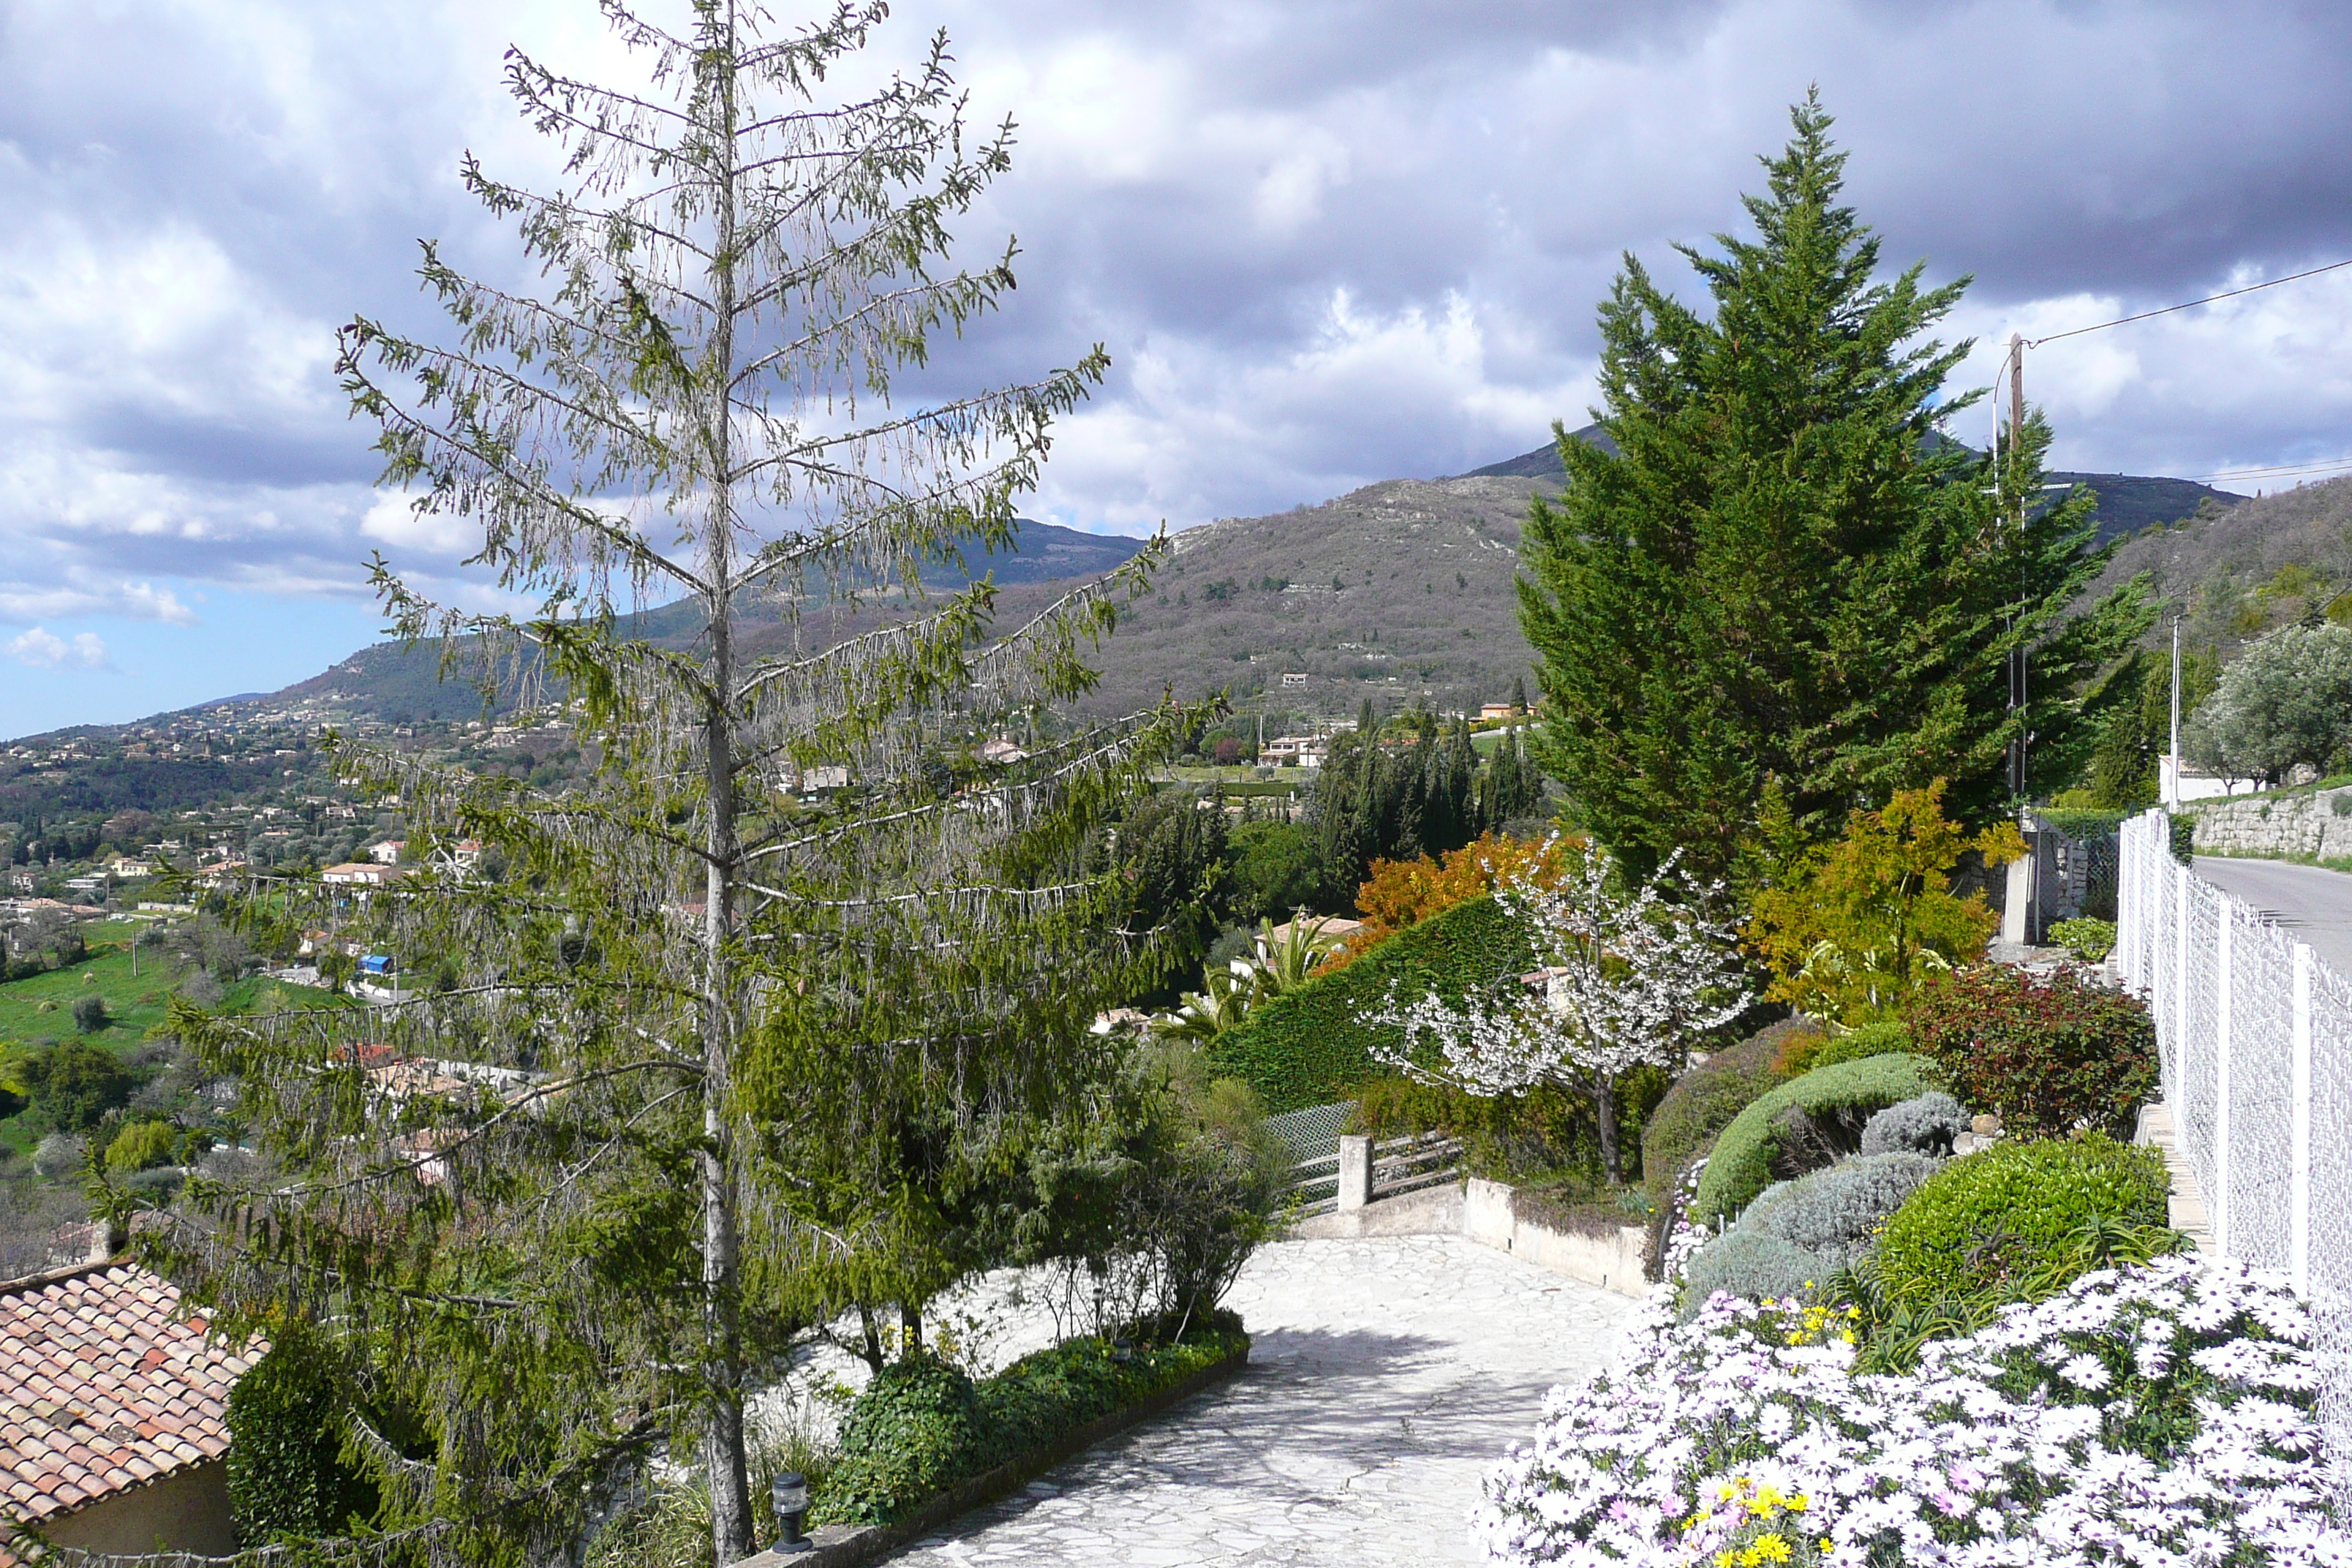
(1833, 1213)
(1922, 1126)
(1750, 1262)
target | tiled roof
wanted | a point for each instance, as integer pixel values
(102, 1391)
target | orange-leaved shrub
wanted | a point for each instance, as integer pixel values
(1400, 893)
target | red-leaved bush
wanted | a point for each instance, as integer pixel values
(2051, 1056)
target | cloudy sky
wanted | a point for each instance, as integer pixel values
(1325, 243)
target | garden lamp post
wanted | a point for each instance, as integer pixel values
(789, 1492)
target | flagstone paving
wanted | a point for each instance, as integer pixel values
(1385, 1377)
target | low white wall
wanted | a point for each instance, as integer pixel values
(1612, 1262)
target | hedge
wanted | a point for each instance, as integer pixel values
(1836, 1102)
(1309, 1046)
(1992, 1220)
(1706, 1098)
(922, 1426)
(1884, 1038)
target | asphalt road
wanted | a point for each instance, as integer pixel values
(2314, 902)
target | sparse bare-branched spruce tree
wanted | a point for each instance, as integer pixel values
(717, 1053)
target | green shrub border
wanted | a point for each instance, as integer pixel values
(1309, 1046)
(1040, 1410)
(2008, 1209)
(1740, 1166)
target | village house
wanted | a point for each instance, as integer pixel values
(387, 852)
(361, 876)
(113, 1410)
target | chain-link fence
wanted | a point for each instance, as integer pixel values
(2255, 1036)
(1312, 1135)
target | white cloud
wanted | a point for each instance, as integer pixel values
(43, 649)
(394, 519)
(132, 601)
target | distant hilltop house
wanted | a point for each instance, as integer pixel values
(223, 875)
(388, 851)
(830, 775)
(1490, 711)
(2178, 780)
(1291, 678)
(1305, 751)
(999, 751)
(128, 867)
(361, 874)
(114, 1408)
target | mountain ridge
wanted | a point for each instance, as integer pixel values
(2128, 503)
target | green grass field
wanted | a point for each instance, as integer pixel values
(41, 1007)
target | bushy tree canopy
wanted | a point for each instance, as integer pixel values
(2285, 701)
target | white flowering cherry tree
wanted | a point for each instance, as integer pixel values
(1632, 974)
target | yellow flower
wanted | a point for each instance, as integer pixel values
(1796, 1503)
(1771, 1548)
(1825, 1543)
(1723, 1560)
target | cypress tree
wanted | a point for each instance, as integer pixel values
(1777, 578)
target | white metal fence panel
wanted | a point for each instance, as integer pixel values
(2254, 1033)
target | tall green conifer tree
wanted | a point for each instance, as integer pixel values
(715, 1065)
(1778, 576)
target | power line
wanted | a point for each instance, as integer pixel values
(2225, 294)
(2278, 471)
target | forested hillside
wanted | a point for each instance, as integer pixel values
(2234, 575)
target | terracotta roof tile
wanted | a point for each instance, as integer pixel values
(101, 1390)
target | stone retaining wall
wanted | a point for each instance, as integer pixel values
(2296, 825)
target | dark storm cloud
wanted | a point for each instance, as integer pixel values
(1325, 243)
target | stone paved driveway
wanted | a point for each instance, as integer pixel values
(1385, 1377)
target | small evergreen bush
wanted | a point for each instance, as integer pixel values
(1833, 1213)
(286, 1479)
(2089, 940)
(1753, 1263)
(1926, 1125)
(2052, 1056)
(1991, 1222)
(918, 1427)
(141, 1146)
(1803, 1125)
(921, 1427)
(1886, 1037)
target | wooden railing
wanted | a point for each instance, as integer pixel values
(1398, 1166)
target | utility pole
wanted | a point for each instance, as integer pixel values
(2017, 656)
(2172, 782)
